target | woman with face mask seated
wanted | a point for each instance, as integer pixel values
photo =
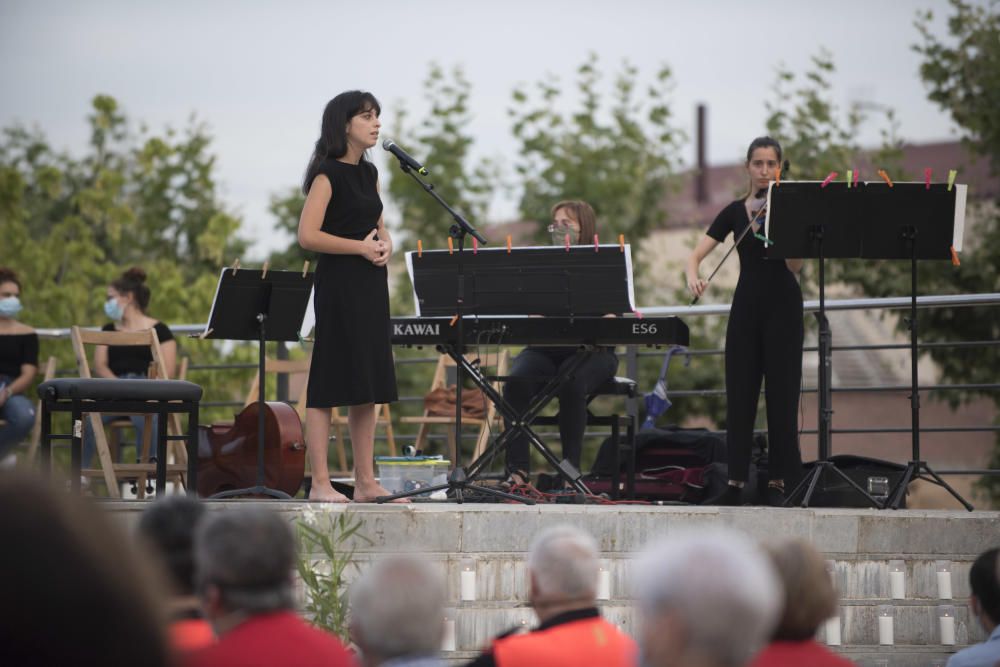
(128, 298)
(529, 369)
(18, 365)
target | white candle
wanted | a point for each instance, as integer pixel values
(604, 584)
(944, 585)
(468, 584)
(897, 584)
(833, 631)
(448, 640)
(885, 630)
(947, 630)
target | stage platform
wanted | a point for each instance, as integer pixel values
(860, 542)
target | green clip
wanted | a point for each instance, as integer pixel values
(952, 173)
(850, 173)
(767, 241)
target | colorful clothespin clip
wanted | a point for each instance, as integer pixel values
(826, 181)
(453, 320)
(954, 257)
(567, 243)
(885, 177)
(508, 244)
(767, 242)
(475, 246)
(263, 273)
(621, 242)
(777, 177)
(927, 178)
(204, 334)
(597, 244)
(856, 173)
(305, 268)
(638, 314)
(952, 173)
(236, 266)
(451, 246)
(850, 177)
(420, 248)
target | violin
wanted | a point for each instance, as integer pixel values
(227, 453)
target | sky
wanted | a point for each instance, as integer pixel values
(259, 72)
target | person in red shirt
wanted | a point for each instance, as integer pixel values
(809, 599)
(243, 565)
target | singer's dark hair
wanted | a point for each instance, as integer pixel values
(332, 142)
(764, 142)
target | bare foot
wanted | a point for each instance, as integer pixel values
(326, 494)
(367, 493)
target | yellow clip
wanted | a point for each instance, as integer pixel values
(952, 173)
(850, 175)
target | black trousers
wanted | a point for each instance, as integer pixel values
(764, 342)
(537, 362)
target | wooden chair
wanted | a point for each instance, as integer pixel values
(109, 468)
(115, 428)
(383, 415)
(498, 362)
(36, 432)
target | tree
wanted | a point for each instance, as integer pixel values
(620, 157)
(72, 224)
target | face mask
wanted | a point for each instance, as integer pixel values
(558, 233)
(113, 309)
(10, 306)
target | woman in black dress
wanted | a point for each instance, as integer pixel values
(352, 361)
(18, 365)
(763, 337)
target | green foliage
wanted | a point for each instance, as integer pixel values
(443, 139)
(286, 207)
(619, 157)
(71, 224)
(325, 552)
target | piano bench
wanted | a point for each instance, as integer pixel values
(616, 386)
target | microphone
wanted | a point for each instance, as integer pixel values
(403, 156)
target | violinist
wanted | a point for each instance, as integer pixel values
(764, 334)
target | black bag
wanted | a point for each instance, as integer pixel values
(833, 491)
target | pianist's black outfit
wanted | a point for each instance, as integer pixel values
(763, 340)
(352, 358)
(545, 362)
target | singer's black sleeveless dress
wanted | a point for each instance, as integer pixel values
(763, 341)
(352, 357)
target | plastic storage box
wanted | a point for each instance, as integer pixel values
(399, 474)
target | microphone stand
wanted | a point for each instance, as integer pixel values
(458, 480)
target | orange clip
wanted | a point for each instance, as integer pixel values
(451, 245)
(597, 244)
(453, 320)
(420, 248)
(777, 177)
(621, 242)
(885, 176)
(508, 244)
(954, 258)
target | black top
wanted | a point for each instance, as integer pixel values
(355, 205)
(17, 349)
(134, 359)
(486, 659)
(753, 260)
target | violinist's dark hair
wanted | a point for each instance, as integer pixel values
(764, 142)
(332, 142)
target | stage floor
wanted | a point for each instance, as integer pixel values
(496, 537)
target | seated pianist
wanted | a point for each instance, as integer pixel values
(533, 365)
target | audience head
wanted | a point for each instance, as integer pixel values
(129, 289)
(563, 567)
(406, 594)
(984, 581)
(10, 293)
(810, 597)
(243, 564)
(167, 528)
(709, 598)
(574, 215)
(74, 593)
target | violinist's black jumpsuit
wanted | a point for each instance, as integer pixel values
(763, 340)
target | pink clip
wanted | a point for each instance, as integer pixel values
(638, 314)
(596, 244)
(830, 177)
(856, 172)
(567, 243)
(927, 178)
(475, 245)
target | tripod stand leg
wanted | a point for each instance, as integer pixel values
(936, 479)
(899, 493)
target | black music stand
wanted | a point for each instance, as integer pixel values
(581, 281)
(258, 305)
(869, 221)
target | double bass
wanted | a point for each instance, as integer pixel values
(227, 453)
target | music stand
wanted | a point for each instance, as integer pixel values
(555, 281)
(867, 221)
(258, 305)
